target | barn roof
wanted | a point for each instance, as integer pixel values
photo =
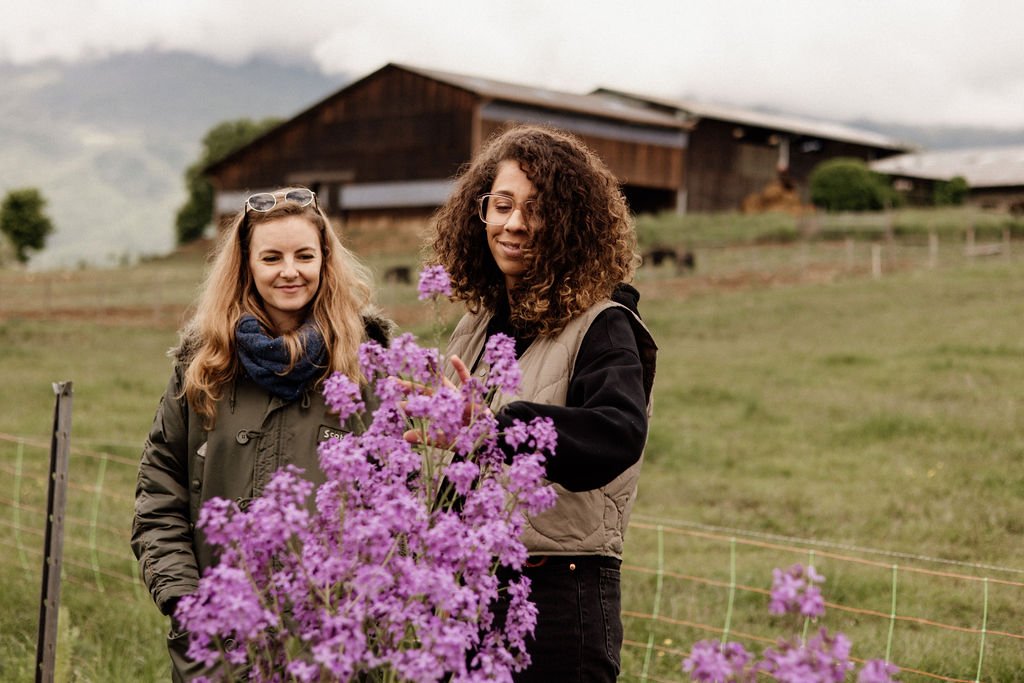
(593, 105)
(782, 123)
(982, 167)
(495, 91)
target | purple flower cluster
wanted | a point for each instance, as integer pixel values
(713, 662)
(500, 356)
(796, 591)
(391, 575)
(877, 671)
(823, 658)
(434, 281)
(343, 396)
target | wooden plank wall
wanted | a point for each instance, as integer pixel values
(723, 169)
(394, 126)
(651, 174)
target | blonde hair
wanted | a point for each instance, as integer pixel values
(229, 293)
(586, 247)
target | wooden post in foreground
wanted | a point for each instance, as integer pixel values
(53, 552)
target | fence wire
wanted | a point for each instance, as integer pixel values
(682, 581)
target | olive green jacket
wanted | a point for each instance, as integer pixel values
(184, 465)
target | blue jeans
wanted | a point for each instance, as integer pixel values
(579, 622)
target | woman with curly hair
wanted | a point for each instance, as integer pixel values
(539, 244)
(284, 306)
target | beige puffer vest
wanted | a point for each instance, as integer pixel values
(584, 522)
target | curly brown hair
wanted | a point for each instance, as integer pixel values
(587, 244)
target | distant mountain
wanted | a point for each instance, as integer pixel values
(107, 141)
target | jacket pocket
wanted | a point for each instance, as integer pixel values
(610, 587)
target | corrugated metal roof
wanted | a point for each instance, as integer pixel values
(593, 105)
(782, 123)
(982, 167)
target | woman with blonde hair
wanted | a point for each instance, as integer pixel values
(284, 306)
(539, 243)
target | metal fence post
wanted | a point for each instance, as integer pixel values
(56, 497)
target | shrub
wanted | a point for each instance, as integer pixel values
(847, 184)
(951, 192)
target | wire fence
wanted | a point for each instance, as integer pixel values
(161, 293)
(828, 259)
(939, 620)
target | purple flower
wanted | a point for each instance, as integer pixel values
(406, 359)
(434, 281)
(526, 480)
(462, 475)
(877, 671)
(343, 396)
(539, 435)
(713, 662)
(795, 591)
(500, 356)
(822, 659)
(442, 412)
(372, 359)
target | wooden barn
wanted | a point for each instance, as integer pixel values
(736, 155)
(385, 149)
(994, 175)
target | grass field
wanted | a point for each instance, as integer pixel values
(803, 408)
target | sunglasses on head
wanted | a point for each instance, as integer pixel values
(265, 201)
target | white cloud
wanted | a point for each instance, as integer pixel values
(914, 61)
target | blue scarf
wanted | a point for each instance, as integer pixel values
(265, 358)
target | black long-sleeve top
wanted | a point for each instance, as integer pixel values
(602, 428)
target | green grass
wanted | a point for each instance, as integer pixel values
(858, 413)
(883, 414)
(717, 229)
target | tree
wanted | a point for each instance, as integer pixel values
(197, 211)
(847, 184)
(951, 192)
(23, 221)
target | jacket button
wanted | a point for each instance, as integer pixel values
(572, 566)
(243, 437)
(196, 484)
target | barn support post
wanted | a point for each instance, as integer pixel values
(56, 497)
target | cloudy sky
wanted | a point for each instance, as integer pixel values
(906, 61)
